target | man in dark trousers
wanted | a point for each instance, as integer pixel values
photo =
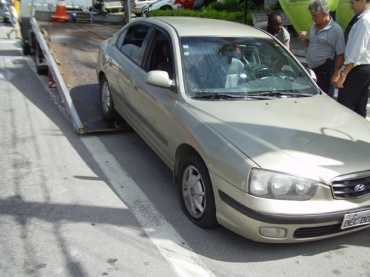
(354, 79)
(326, 39)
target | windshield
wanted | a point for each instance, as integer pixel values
(241, 68)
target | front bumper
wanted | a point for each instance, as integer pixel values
(303, 220)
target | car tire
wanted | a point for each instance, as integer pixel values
(26, 48)
(196, 192)
(107, 105)
(138, 14)
(145, 12)
(40, 69)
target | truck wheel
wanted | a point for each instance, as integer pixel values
(40, 69)
(196, 192)
(25, 47)
(107, 105)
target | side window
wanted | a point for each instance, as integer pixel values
(131, 41)
(161, 55)
(121, 38)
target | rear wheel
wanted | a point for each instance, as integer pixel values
(25, 47)
(39, 56)
(196, 192)
(107, 105)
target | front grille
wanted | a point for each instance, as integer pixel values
(351, 186)
(313, 232)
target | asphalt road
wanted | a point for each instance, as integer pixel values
(105, 205)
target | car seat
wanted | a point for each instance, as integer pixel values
(167, 64)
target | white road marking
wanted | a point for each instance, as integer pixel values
(173, 248)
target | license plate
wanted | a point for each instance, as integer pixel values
(356, 219)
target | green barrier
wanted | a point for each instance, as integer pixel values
(297, 12)
(300, 17)
(344, 13)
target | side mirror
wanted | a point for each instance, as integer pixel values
(159, 78)
(312, 74)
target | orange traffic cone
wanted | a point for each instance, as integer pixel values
(60, 14)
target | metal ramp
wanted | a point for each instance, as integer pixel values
(71, 52)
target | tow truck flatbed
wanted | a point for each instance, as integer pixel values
(74, 48)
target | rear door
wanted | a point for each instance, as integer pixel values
(126, 57)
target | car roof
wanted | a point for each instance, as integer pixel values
(195, 26)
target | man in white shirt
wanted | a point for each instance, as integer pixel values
(354, 80)
(274, 26)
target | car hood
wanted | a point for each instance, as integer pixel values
(313, 137)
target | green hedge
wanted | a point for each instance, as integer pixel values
(231, 10)
(235, 16)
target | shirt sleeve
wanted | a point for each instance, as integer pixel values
(286, 38)
(358, 40)
(340, 44)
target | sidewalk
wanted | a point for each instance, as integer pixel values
(59, 214)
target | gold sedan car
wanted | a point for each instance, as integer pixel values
(253, 143)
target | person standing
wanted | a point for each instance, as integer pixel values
(274, 26)
(13, 20)
(354, 80)
(326, 39)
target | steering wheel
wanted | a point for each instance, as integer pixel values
(258, 70)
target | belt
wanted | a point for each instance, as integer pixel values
(328, 62)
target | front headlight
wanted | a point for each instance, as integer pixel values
(274, 185)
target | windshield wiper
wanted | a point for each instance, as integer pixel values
(281, 93)
(219, 96)
(233, 96)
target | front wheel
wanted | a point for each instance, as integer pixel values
(107, 105)
(196, 192)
